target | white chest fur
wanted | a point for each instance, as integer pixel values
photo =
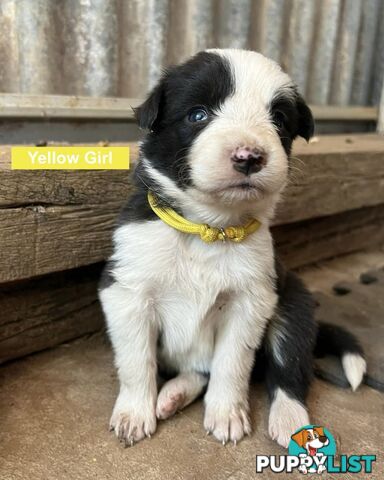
(188, 283)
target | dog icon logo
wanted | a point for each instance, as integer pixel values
(313, 444)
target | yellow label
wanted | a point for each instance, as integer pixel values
(70, 158)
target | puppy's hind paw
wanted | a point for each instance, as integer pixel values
(285, 417)
(168, 404)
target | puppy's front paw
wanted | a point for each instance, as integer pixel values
(132, 422)
(227, 422)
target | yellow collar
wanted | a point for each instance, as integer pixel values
(207, 233)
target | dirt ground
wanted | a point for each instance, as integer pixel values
(55, 408)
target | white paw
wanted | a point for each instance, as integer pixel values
(179, 392)
(132, 421)
(169, 401)
(285, 417)
(228, 423)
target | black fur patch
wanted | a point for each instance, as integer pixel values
(107, 278)
(205, 80)
(299, 340)
(335, 340)
(295, 330)
(137, 209)
(292, 117)
(298, 329)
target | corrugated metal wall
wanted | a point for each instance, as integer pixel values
(334, 49)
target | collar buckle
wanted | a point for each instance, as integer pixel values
(224, 235)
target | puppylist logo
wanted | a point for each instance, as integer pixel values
(312, 449)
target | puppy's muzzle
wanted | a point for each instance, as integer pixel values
(248, 160)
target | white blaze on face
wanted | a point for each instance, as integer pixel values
(243, 120)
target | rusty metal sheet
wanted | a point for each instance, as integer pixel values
(332, 48)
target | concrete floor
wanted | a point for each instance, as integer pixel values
(55, 407)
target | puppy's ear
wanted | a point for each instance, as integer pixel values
(148, 112)
(320, 431)
(300, 437)
(306, 125)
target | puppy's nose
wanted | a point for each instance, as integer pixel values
(323, 438)
(248, 160)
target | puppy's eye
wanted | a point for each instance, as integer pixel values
(280, 119)
(197, 114)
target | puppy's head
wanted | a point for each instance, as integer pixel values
(221, 127)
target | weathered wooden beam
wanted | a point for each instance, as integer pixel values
(52, 221)
(350, 163)
(336, 173)
(16, 105)
(36, 240)
(380, 121)
(345, 114)
(42, 313)
(310, 241)
(61, 187)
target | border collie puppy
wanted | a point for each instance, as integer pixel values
(193, 290)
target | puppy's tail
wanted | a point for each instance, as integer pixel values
(335, 340)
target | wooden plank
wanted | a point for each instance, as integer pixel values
(36, 240)
(16, 105)
(61, 187)
(310, 241)
(345, 114)
(339, 144)
(60, 238)
(380, 121)
(351, 164)
(60, 220)
(334, 174)
(45, 312)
